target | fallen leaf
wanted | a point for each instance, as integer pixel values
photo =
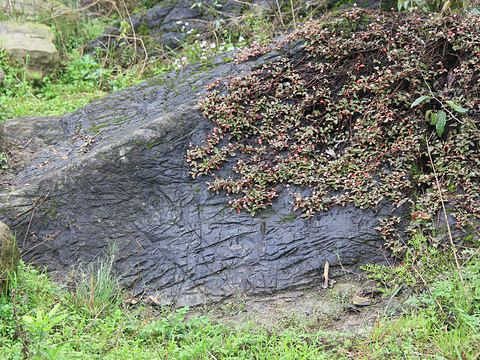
(420, 215)
(361, 301)
(331, 152)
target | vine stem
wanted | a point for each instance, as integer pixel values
(471, 123)
(446, 218)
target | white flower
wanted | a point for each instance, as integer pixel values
(178, 22)
(212, 45)
(241, 38)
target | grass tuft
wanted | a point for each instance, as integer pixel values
(97, 287)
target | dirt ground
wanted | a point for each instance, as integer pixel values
(352, 305)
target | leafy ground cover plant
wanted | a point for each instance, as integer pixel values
(441, 321)
(40, 322)
(336, 124)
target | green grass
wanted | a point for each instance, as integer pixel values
(76, 331)
(82, 79)
(91, 322)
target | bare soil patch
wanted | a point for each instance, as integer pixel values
(332, 309)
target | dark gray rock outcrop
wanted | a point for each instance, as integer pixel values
(114, 174)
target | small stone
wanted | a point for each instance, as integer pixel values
(346, 289)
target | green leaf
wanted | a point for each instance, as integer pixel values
(456, 107)
(28, 319)
(432, 116)
(441, 122)
(53, 311)
(420, 100)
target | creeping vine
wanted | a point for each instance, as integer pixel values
(334, 124)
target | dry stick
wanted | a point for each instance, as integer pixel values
(251, 4)
(28, 228)
(476, 356)
(131, 24)
(31, 218)
(44, 241)
(446, 218)
(209, 353)
(278, 16)
(89, 141)
(71, 11)
(28, 142)
(426, 285)
(293, 15)
(61, 36)
(16, 77)
(143, 47)
(279, 10)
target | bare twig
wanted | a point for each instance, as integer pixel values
(89, 141)
(28, 142)
(426, 286)
(28, 227)
(209, 353)
(131, 24)
(293, 15)
(25, 88)
(446, 217)
(71, 11)
(33, 212)
(277, 15)
(20, 332)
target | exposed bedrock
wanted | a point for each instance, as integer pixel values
(114, 174)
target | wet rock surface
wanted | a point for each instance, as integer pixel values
(113, 175)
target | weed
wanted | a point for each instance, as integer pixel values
(97, 286)
(39, 327)
(3, 161)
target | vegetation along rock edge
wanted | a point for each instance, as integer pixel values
(368, 122)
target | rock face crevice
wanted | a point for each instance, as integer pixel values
(114, 174)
